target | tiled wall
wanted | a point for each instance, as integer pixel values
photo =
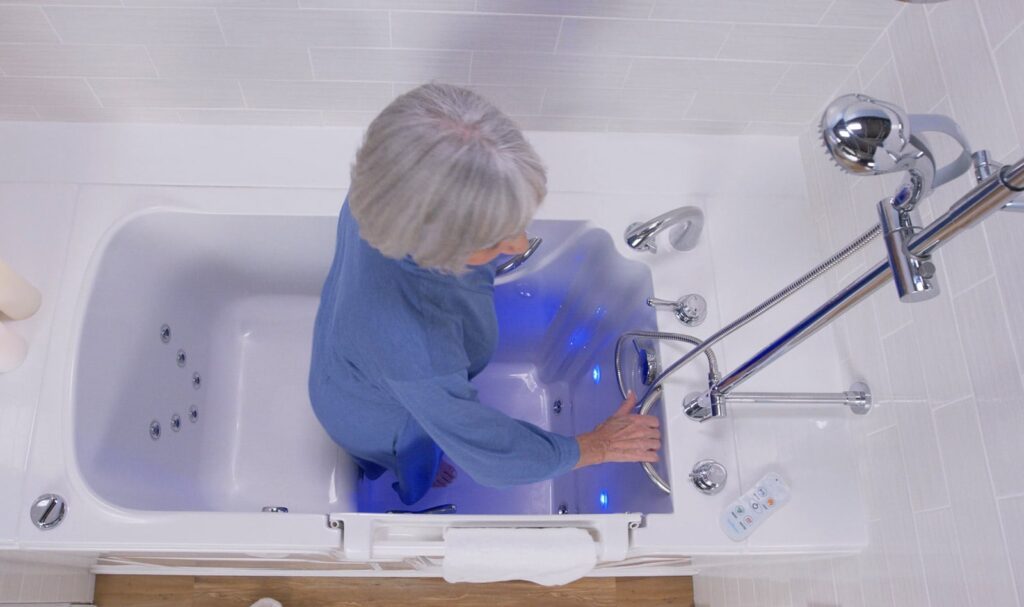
(939, 458)
(692, 66)
(23, 582)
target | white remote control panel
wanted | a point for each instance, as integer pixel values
(748, 512)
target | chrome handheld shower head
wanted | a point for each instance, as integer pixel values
(866, 136)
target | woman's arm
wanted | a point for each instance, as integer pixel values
(623, 437)
(494, 449)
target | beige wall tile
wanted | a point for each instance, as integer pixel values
(46, 91)
(206, 3)
(702, 74)
(343, 118)
(259, 117)
(218, 62)
(812, 79)
(412, 5)
(687, 127)
(152, 26)
(877, 57)
(636, 9)
(805, 12)
(1011, 511)
(1000, 17)
(780, 129)
(997, 385)
(473, 32)
(1008, 60)
(305, 28)
(944, 570)
(838, 45)
(163, 93)
(975, 517)
(973, 84)
(524, 101)
(348, 96)
(559, 123)
(647, 104)
(763, 108)
(639, 37)
(80, 114)
(539, 69)
(861, 13)
(18, 113)
(391, 65)
(75, 60)
(26, 25)
(915, 60)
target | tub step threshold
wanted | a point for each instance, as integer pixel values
(371, 536)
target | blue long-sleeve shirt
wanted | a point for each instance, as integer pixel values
(394, 349)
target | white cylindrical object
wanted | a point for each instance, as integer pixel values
(18, 299)
(12, 349)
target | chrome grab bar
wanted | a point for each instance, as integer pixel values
(517, 260)
(1002, 189)
(986, 198)
(651, 397)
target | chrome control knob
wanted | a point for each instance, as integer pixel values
(708, 476)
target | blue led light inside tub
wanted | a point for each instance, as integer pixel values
(579, 338)
(596, 374)
(603, 499)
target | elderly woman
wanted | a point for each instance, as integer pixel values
(443, 185)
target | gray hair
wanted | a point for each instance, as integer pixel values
(442, 173)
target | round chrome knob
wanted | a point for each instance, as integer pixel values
(693, 309)
(48, 511)
(708, 476)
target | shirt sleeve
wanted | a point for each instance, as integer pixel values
(493, 448)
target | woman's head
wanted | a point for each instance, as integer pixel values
(445, 177)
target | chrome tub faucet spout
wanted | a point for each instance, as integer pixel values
(686, 224)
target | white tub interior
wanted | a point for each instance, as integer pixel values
(239, 293)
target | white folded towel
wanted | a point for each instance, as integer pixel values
(549, 557)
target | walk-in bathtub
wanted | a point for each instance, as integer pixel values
(190, 309)
(189, 389)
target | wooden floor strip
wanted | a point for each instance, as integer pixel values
(216, 591)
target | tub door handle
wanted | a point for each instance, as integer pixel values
(645, 407)
(520, 259)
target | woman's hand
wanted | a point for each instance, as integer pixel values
(623, 437)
